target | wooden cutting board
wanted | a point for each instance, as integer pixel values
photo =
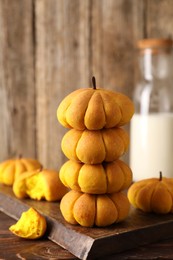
(88, 243)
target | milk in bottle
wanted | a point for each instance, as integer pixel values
(151, 129)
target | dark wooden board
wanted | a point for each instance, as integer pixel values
(88, 243)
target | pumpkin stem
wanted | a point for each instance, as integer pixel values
(20, 156)
(94, 82)
(41, 168)
(160, 176)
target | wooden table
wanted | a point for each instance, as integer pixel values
(13, 248)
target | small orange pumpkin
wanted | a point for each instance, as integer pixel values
(152, 195)
(94, 109)
(11, 169)
(97, 178)
(94, 147)
(100, 210)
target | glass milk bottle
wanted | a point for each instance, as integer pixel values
(151, 129)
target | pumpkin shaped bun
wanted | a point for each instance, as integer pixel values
(11, 169)
(152, 195)
(94, 147)
(96, 179)
(94, 109)
(39, 184)
(99, 210)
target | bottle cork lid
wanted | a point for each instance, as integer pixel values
(154, 43)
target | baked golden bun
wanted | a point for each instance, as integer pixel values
(152, 195)
(31, 225)
(93, 147)
(96, 179)
(100, 210)
(94, 109)
(39, 184)
(11, 169)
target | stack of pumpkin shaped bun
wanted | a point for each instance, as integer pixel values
(94, 173)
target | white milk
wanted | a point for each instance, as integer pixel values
(151, 145)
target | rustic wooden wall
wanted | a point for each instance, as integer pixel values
(50, 48)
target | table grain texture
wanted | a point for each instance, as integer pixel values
(13, 247)
(137, 230)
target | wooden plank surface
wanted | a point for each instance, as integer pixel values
(14, 248)
(17, 86)
(159, 18)
(46, 249)
(61, 66)
(50, 48)
(89, 243)
(113, 33)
